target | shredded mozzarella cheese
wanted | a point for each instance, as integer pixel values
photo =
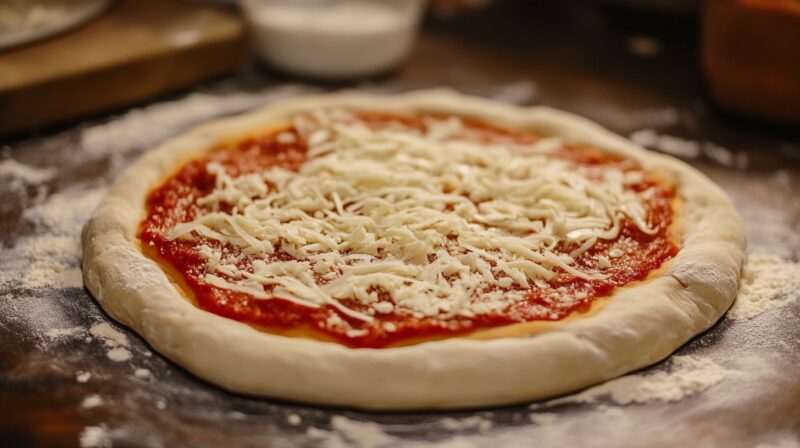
(417, 222)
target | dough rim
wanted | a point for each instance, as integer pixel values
(637, 327)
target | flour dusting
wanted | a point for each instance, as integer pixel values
(51, 258)
(361, 434)
(521, 92)
(326, 439)
(105, 332)
(95, 437)
(457, 442)
(58, 247)
(544, 418)
(65, 213)
(473, 422)
(115, 341)
(688, 149)
(768, 282)
(44, 274)
(56, 333)
(20, 174)
(350, 433)
(119, 354)
(294, 419)
(147, 126)
(92, 401)
(676, 146)
(686, 376)
(83, 377)
(346, 432)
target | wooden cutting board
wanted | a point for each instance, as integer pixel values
(135, 50)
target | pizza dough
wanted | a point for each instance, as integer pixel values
(638, 325)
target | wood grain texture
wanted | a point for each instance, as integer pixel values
(137, 49)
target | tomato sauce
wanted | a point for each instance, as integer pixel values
(175, 201)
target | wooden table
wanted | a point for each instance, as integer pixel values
(575, 57)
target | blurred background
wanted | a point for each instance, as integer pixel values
(628, 64)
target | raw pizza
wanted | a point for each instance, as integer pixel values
(426, 250)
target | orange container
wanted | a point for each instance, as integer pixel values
(751, 57)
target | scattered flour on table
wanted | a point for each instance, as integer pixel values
(46, 263)
(82, 377)
(47, 246)
(788, 441)
(92, 401)
(521, 92)
(544, 418)
(689, 149)
(686, 376)
(24, 183)
(770, 220)
(109, 335)
(51, 259)
(44, 274)
(114, 340)
(610, 411)
(64, 213)
(724, 156)
(364, 434)
(95, 437)
(144, 127)
(625, 120)
(473, 422)
(294, 419)
(19, 175)
(236, 415)
(458, 442)
(142, 373)
(669, 144)
(119, 354)
(350, 433)
(326, 439)
(346, 432)
(56, 333)
(768, 282)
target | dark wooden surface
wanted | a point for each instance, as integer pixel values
(137, 49)
(575, 57)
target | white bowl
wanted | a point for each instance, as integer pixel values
(333, 39)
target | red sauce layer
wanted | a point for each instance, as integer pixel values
(175, 202)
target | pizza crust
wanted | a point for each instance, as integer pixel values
(636, 327)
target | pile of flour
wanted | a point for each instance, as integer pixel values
(768, 282)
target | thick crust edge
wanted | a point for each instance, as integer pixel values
(637, 327)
